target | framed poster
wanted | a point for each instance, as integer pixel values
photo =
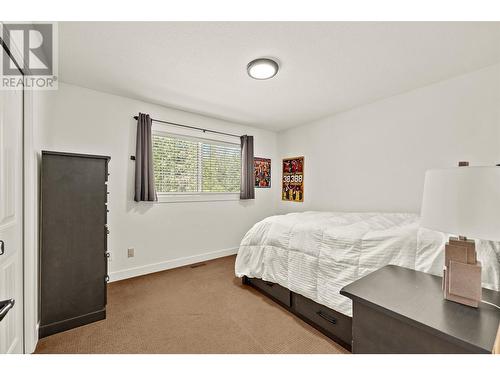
(292, 188)
(262, 170)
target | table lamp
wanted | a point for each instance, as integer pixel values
(464, 201)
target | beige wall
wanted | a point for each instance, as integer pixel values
(373, 158)
(164, 235)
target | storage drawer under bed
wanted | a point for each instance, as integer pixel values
(333, 324)
(274, 290)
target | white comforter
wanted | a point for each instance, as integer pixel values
(315, 254)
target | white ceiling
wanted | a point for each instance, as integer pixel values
(325, 67)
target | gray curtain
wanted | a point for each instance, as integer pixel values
(144, 176)
(247, 172)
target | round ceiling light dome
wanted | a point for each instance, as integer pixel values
(262, 68)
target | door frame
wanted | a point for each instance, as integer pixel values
(31, 208)
(29, 245)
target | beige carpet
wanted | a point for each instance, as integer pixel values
(203, 309)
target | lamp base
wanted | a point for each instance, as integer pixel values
(462, 272)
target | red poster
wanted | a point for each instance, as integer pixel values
(293, 179)
(262, 170)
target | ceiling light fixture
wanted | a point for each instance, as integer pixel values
(262, 68)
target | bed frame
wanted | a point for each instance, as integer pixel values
(331, 323)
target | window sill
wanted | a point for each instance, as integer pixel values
(205, 197)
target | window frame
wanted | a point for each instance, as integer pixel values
(179, 197)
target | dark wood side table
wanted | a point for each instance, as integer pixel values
(399, 310)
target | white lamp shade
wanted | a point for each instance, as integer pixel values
(463, 201)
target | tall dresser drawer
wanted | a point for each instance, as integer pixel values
(274, 290)
(332, 323)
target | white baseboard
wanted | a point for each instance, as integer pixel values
(174, 263)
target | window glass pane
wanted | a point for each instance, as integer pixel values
(221, 168)
(175, 163)
(191, 165)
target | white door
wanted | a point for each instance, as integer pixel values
(11, 220)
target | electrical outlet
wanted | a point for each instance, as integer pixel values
(130, 252)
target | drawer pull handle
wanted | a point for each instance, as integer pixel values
(326, 317)
(268, 283)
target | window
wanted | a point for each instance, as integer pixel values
(185, 165)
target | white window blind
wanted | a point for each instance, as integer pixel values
(192, 165)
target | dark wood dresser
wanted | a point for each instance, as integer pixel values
(399, 310)
(73, 240)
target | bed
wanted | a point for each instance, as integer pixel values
(302, 260)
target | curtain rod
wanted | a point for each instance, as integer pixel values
(192, 127)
